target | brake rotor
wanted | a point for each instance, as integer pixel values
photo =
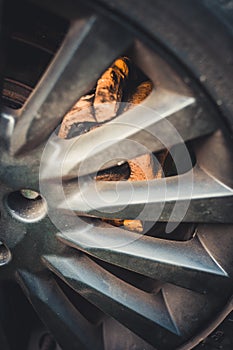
(121, 84)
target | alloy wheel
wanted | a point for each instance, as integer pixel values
(95, 285)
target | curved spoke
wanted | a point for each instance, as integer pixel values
(107, 142)
(214, 238)
(197, 197)
(68, 326)
(90, 46)
(141, 312)
(187, 264)
(181, 301)
(164, 119)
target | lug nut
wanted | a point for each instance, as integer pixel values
(29, 194)
(5, 254)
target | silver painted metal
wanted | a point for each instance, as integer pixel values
(185, 275)
(186, 264)
(206, 199)
(54, 308)
(152, 126)
(132, 307)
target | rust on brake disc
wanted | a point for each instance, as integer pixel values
(122, 82)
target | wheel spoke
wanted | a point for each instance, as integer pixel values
(69, 327)
(187, 264)
(141, 312)
(214, 238)
(164, 119)
(90, 46)
(190, 197)
(181, 302)
(214, 155)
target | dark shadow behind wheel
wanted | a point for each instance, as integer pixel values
(195, 38)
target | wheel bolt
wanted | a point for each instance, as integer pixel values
(5, 254)
(29, 194)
